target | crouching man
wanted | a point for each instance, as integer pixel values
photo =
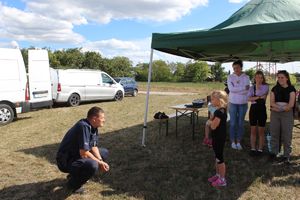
(79, 155)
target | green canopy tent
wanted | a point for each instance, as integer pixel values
(262, 30)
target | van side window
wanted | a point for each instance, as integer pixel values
(106, 79)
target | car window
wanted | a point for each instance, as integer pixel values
(106, 79)
(132, 81)
(123, 82)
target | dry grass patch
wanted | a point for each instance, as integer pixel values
(168, 168)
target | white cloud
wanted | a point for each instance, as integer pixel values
(103, 11)
(137, 51)
(52, 21)
(14, 44)
(19, 25)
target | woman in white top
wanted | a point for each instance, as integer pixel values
(238, 85)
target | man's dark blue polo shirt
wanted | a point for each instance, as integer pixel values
(81, 136)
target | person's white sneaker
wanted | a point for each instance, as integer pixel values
(239, 146)
(233, 145)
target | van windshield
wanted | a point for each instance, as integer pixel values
(117, 79)
(106, 79)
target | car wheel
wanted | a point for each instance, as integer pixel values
(74, 100)
(119, 96)
(135, 92)
(6, 114)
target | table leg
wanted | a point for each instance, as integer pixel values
(159, 129)
(167, 127)
(176, 123)
(193, 123)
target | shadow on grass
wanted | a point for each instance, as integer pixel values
(176, 168)
(21, 118)
(54, 189)
(65, 104)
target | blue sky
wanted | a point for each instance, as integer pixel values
(113, 28)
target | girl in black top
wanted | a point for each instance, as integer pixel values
(282, 100)
(218, 127)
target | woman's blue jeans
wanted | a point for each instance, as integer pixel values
(237, 114)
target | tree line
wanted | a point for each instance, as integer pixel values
(75, 58)
(119, 66)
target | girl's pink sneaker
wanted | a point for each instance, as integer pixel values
(209, 143)
(219, 183)
(213, 178)
(205, 141)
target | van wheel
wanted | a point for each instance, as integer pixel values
(74, 100)
(135, 92)
(6, 114)
(119, 96)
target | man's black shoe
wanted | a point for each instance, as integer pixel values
(75, 190)
(69, 176)
(79, 191)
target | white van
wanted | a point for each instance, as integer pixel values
(77, 85)
(39, 79)
(14, 86)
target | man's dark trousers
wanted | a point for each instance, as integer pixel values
(81, 170)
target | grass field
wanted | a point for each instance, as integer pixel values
(182, 87)
(167, 168)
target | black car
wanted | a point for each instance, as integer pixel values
(129, 84)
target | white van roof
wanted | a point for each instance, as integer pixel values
(80, 70)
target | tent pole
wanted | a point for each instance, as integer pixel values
(147, 98)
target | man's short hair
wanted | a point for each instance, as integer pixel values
(94, 112)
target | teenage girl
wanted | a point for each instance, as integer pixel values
(258, 113)
(218, 127)
(282, 100)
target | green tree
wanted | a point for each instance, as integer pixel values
(141, 72)
(179, 72)
(218, 72)
(161, 71)
(196, 71)
(293, 79)
(54, 61)
(72, 58)
(92, 60)
(121, 66)
(251, 73)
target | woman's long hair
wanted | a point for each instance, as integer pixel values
(262, 74)
(286, 74)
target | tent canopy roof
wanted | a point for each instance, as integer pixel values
(262, 30)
